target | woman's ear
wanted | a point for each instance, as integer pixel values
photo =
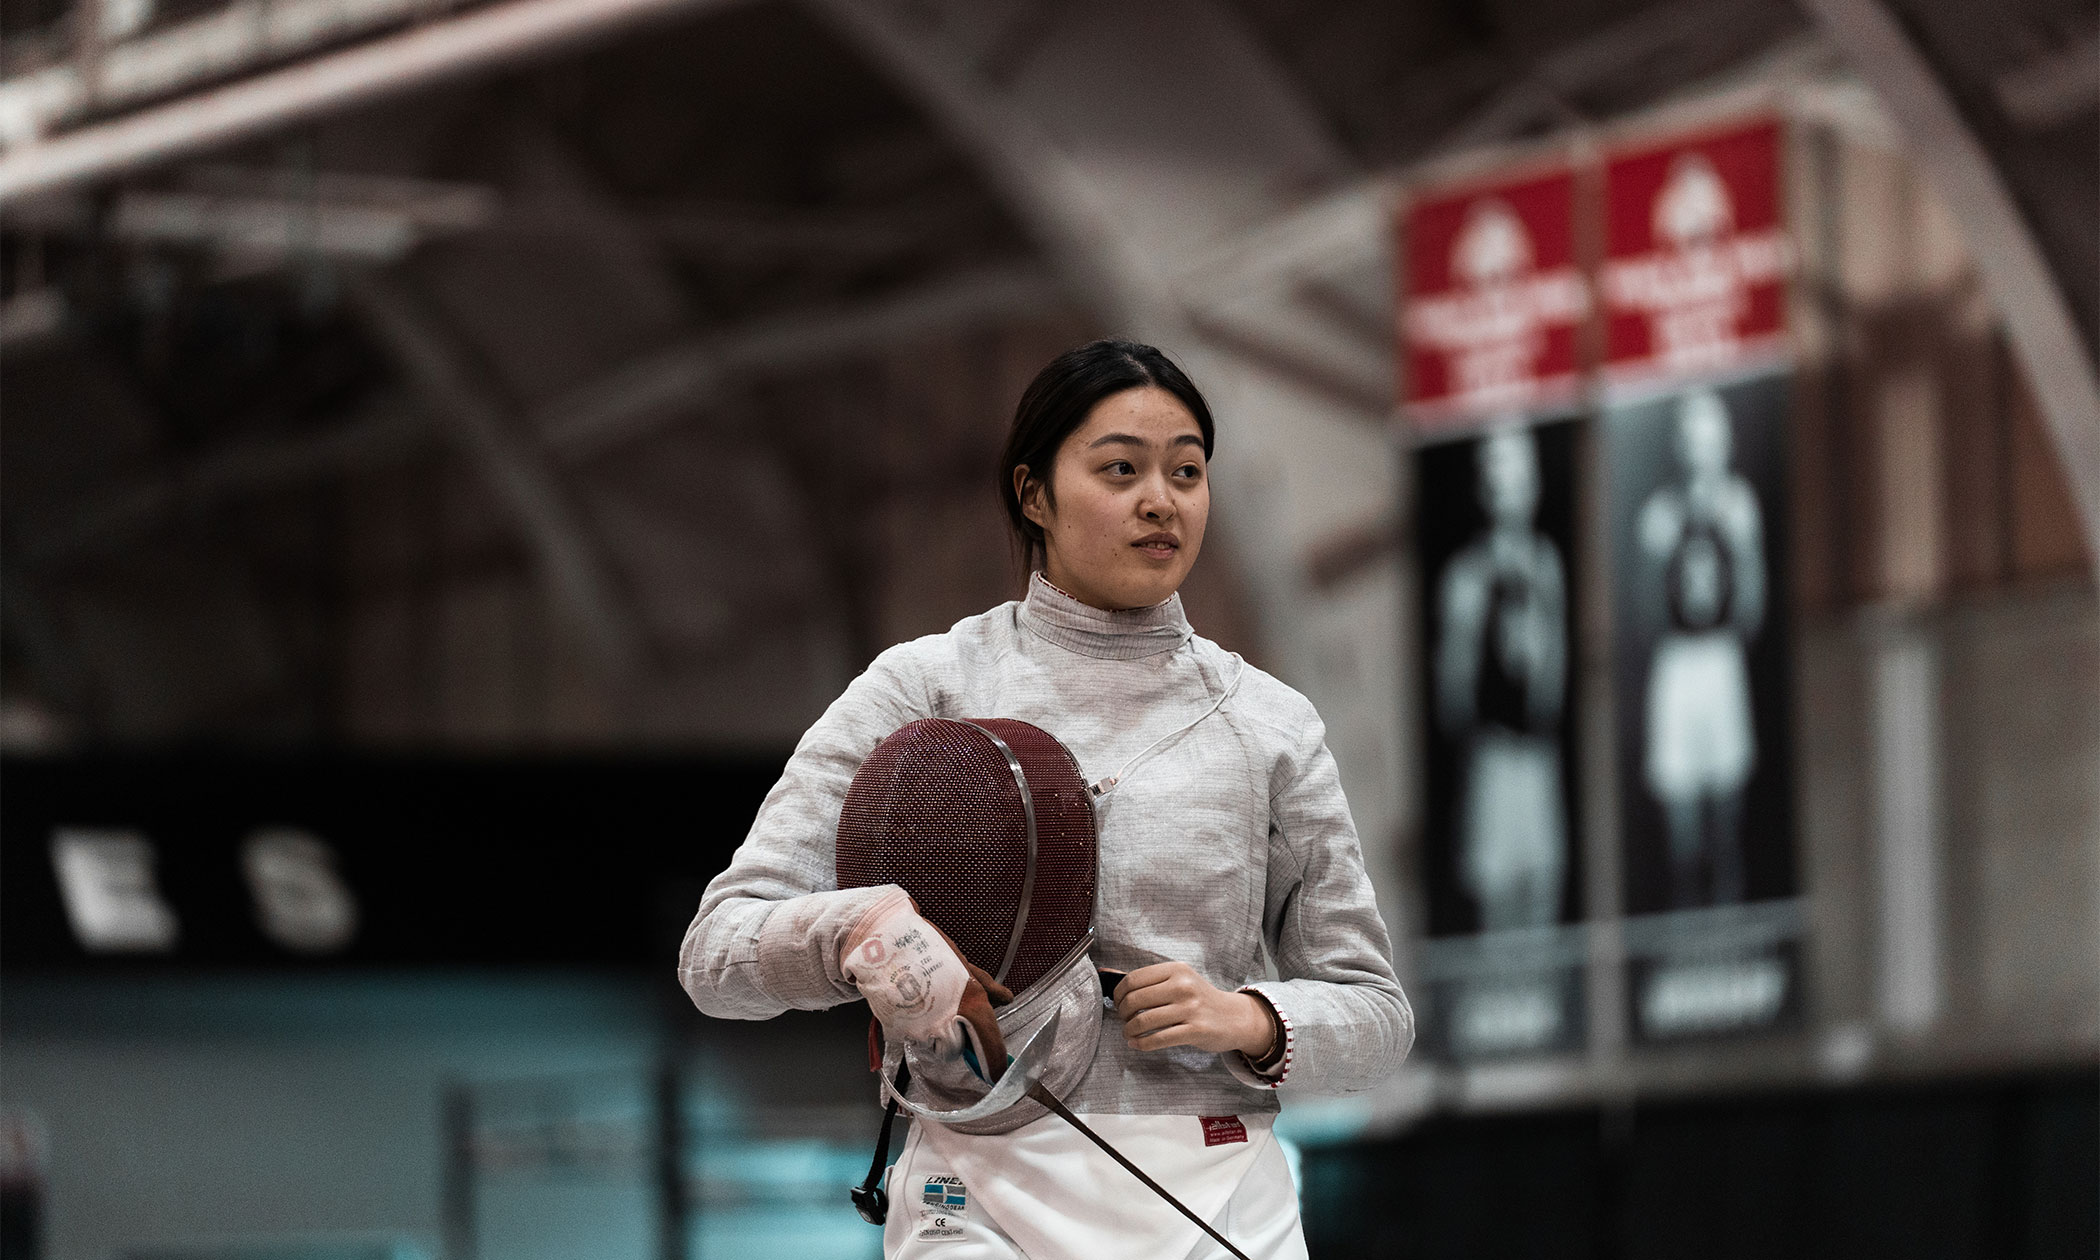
(1030, 492)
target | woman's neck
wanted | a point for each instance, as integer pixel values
(1121, 634)
(1076, 599)
(1093, 602)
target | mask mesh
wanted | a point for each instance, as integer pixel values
(938, 809)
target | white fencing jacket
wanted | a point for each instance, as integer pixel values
(1227, 840)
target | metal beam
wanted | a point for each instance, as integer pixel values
(1324, 363)
(232, 39)
(1316, 238)
(1274, 296)
(46, 646)
(420, 57)
(2044, 336)
(1158, 267)
(1544, 90)
(385, 432)
(551, 175)
(745, 234)
(630, 402)
(32, 316)
(1090, 239)
(381, 217)
(269, 228)
(2054, 88)
(623, 406)
(1034, 176)
(512, 465)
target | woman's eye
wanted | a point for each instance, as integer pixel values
(1188, 472)
(1120, 468)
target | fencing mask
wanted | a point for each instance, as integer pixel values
(988, 824)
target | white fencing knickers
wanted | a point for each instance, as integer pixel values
(1043, 1192)
(1699, 734)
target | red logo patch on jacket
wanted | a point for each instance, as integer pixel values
(1219, 1130)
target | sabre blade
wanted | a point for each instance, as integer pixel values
(1050, 1100)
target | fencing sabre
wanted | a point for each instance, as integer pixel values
(991, 828)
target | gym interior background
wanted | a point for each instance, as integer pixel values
(452, 448)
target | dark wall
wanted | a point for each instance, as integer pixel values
(451, 861)
(1995, 1170)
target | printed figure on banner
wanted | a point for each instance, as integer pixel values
(1705, 534)
(1501, 672)
(1501, 850)
(1696, 499)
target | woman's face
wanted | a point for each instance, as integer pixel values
(1130, 495)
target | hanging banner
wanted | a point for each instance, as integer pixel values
(1698, 520)
(1494, 304)
(1691, 294)
(1696, 256)
(1492, 300)
(1693, 287)
(1501, 849)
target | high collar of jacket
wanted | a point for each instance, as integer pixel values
(1125, 634)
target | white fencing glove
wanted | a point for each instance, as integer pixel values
(921, 988)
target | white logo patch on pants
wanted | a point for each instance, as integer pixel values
(944, 1209)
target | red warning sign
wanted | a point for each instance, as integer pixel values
(1494, 296)
(1696, 255)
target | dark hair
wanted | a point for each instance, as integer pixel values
(1059, 400)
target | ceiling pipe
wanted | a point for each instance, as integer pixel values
(438, 52)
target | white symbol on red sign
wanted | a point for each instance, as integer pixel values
(1694, 208)
(1493, 247)
(1694, 290)
(1491, 329)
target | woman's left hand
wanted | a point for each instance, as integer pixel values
(1169, 1004)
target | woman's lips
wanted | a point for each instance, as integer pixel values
(1158, 546)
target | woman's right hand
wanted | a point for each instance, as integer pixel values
(1171, 1004)
(920, 987)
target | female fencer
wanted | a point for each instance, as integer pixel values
(1227, 838)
